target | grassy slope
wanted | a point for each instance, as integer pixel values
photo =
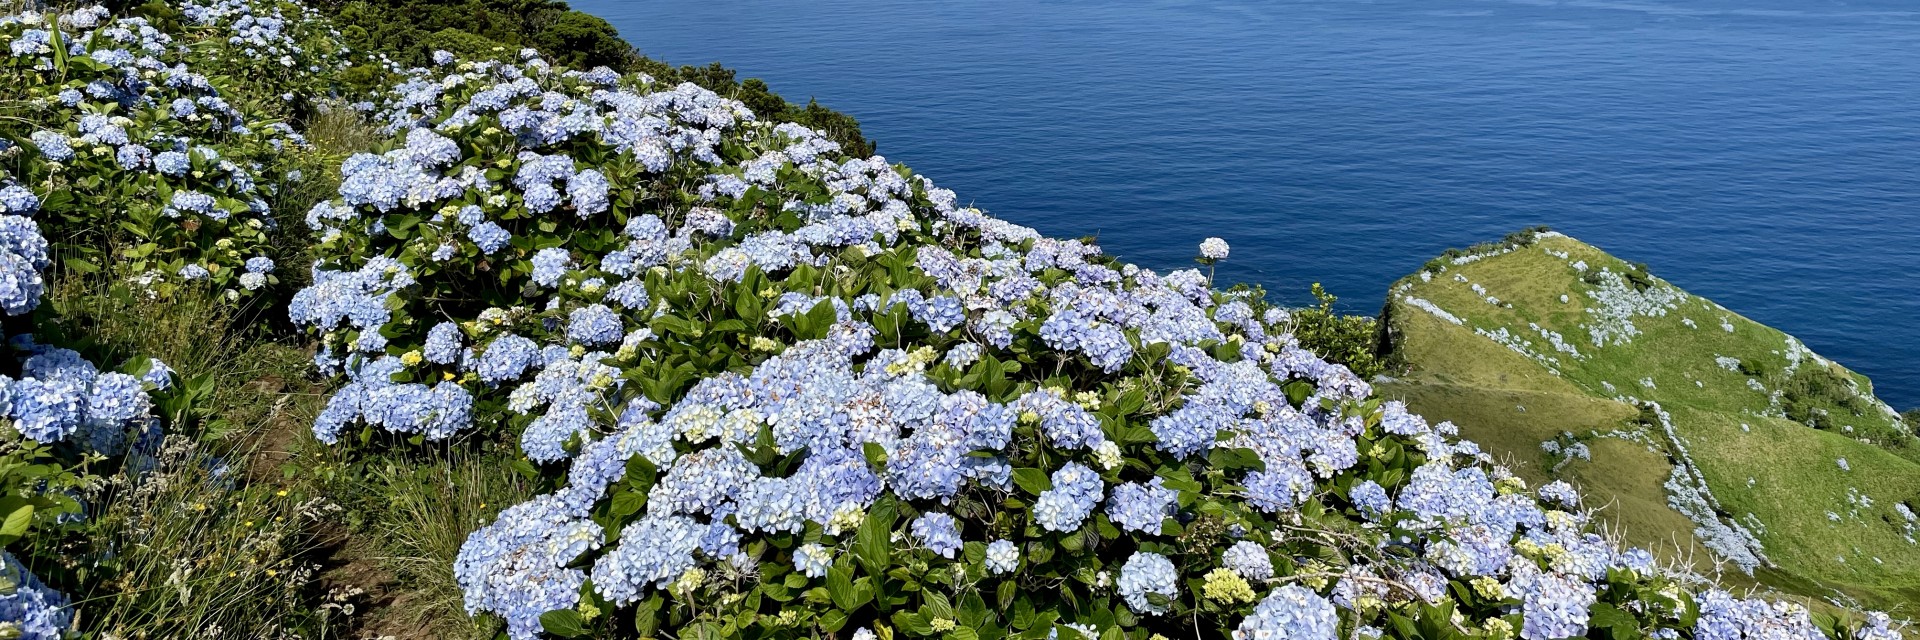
(1782, 472)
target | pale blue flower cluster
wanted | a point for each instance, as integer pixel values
(59, 394)
(1560, 493)
(1003, 557)
(1066, 424)
(1248, 559)
(29, 607)
(371, 396)
(1724, 617)
(1291, 612)
(653, 552)
(812, 560)
(1148, 574)
(939, 532)
(1553, 606)
(1371, 498)
(1076, 489)
(23, 252)
(518, 567)
(1141, 507)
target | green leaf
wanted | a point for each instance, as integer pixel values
(973, 609)
(565, 623)
(78, 265)
(16, 524)
(627, 503)
(840, 586)
(937, 606)
(1298, 390)
(646, 615)
(1622, 625)
(914, 623)
(1032, 480)
(873, 544)
(1235, 459)
(1023, 613)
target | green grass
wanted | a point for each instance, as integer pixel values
(204, 544)
(1510, 400)
(408, 514)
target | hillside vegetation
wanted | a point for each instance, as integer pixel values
(315, 332)
(1718, 439)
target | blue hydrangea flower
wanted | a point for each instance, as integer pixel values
(1076, 489)
(490, 237)
(517, 567)
(1555, 606)
(588, 191)
(46, 410)
(1371, 498)
(33, 609)
(53, 145)
(158, 374)
(595, 325)
(17, 200)
(1560, 493)
(1279, 488)
(445, 344)
(1002, 557)
(506, 358)
(653, 552)
(172, 163)
(117, 398)
(1141, 507)
(1291, 612)
(812, 560)
(939, 531)
(1248, 559)
(549, 265)
(1148, 574)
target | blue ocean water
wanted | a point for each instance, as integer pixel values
(1763, 153)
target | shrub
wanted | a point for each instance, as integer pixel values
(1351, 341)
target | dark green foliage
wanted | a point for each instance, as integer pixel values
(1340, 339)
(409, 31)
(467, 45)
(583, 41)
(1814, 393)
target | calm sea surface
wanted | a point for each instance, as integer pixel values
(1763, 153)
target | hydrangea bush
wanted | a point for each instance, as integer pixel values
(780, 392)
(64, 426)
(289, 56)
(132, 152)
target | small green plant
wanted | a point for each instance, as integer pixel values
(1343, 339)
